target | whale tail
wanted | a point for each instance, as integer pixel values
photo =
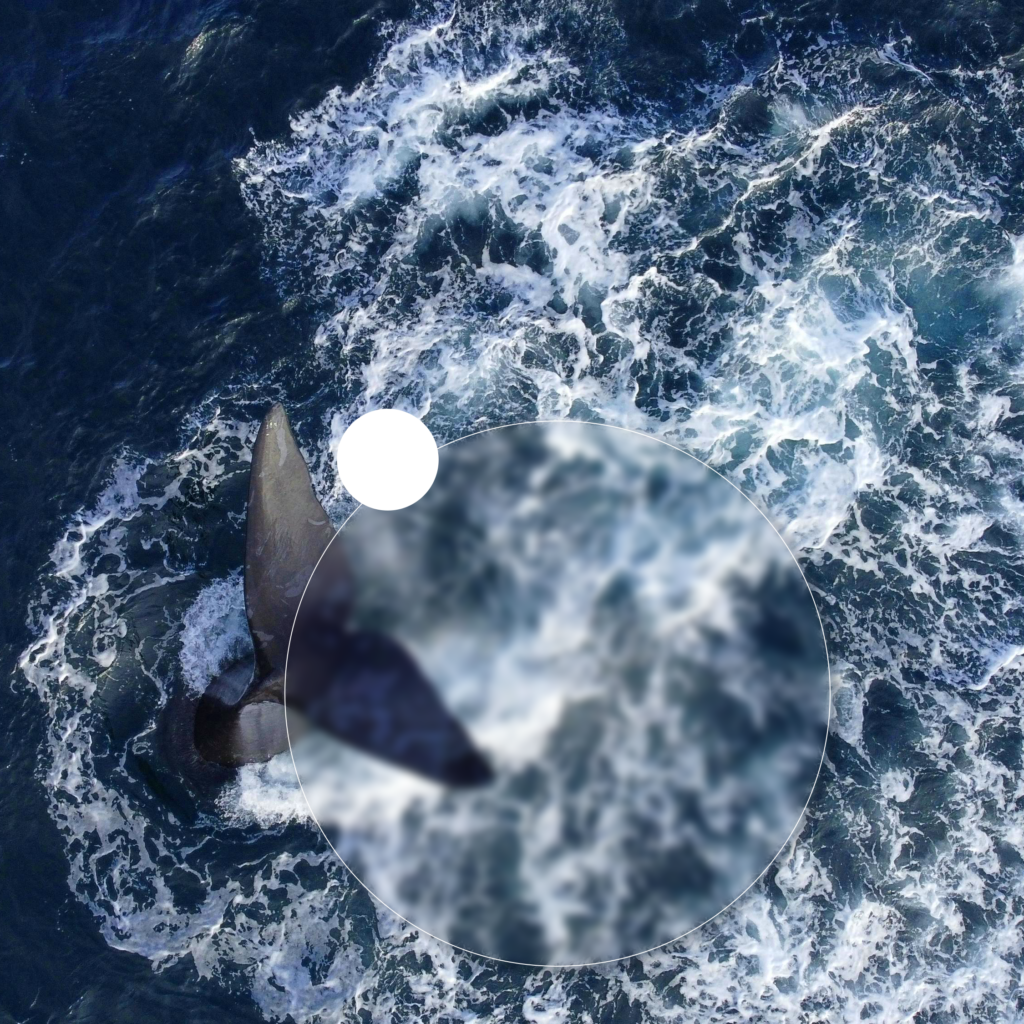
(361, 687)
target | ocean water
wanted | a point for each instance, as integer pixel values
(788, 238)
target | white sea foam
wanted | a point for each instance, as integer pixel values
(214, 632)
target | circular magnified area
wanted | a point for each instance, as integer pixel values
(569, 705)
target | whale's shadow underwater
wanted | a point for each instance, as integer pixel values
(360, 686)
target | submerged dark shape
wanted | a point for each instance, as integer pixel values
(361, 687)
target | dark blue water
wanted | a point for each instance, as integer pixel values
(788, 237)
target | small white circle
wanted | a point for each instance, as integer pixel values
(387, 459)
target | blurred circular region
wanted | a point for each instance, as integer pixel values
(632, 650)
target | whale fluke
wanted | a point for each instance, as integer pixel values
(361, 687)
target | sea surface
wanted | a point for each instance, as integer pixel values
(785, 237)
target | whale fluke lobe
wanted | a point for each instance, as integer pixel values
(366, 690)
(287, 530)
(361, 687)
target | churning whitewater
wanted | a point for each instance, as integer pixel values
(808, 276)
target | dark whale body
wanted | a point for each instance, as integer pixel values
(361, 687)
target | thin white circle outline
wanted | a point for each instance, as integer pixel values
(735, 899)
